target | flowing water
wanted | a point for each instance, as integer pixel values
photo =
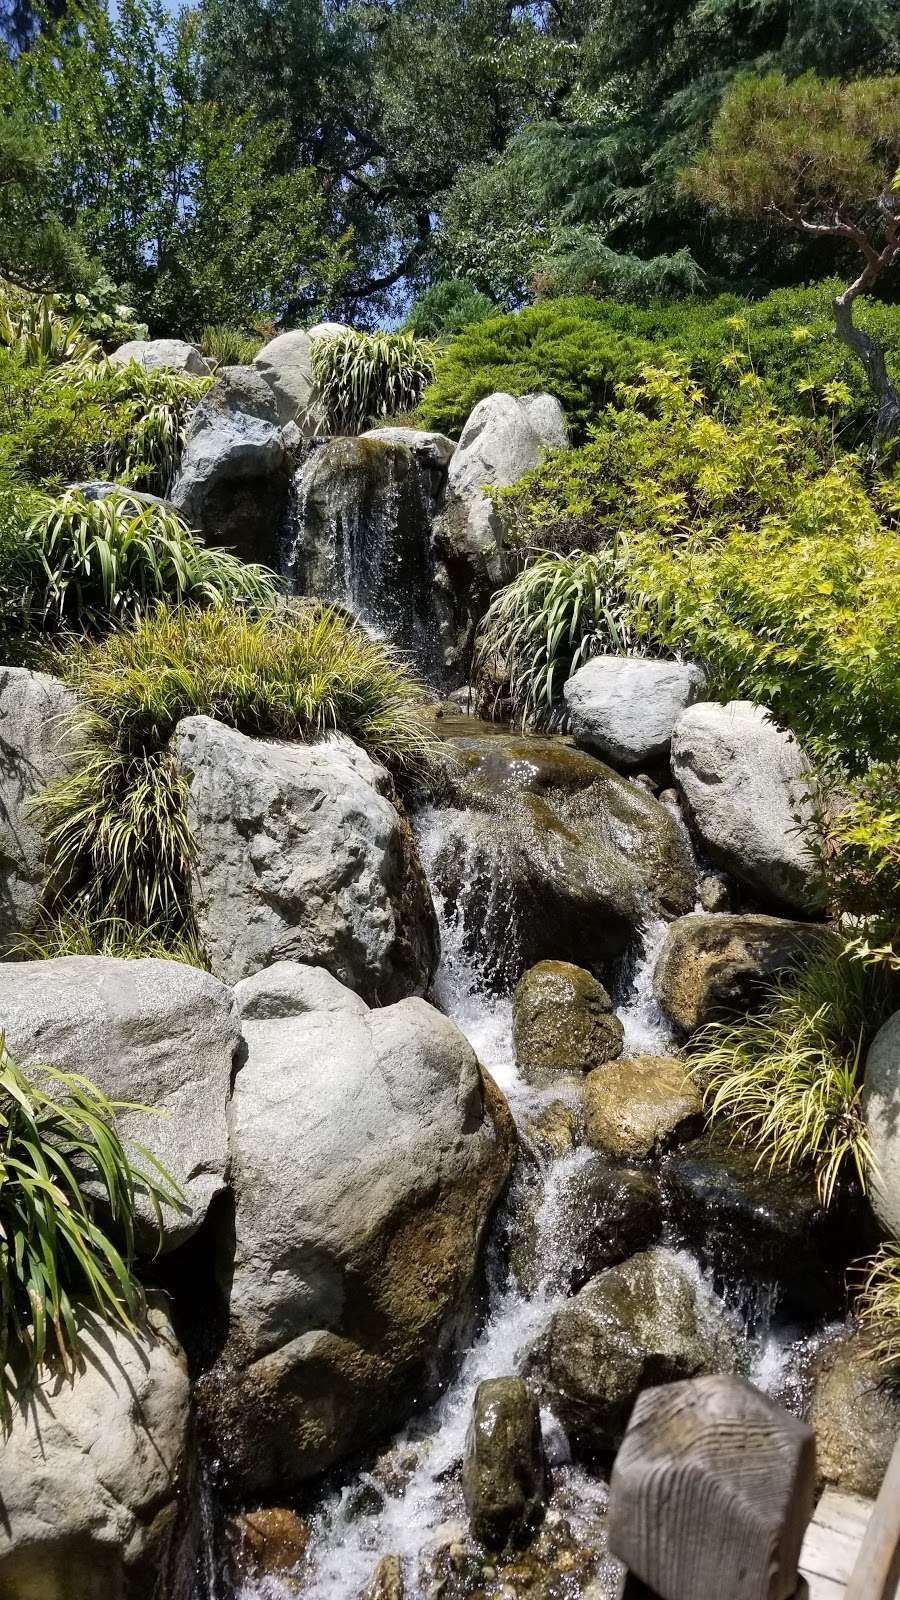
(409, 1501)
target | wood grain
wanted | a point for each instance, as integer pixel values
(876, 1572)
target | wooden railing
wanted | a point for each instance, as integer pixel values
(876, 1572)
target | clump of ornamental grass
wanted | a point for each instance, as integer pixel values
(364, 377)
(69, 1190)
(878, 1306)
(788, 1079)
(117, 833)
(74, 932)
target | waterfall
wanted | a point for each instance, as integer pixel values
(359, 534)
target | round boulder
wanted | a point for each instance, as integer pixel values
(162, 355)
(710, 965)
(563, 1022)
(625, 707)
(286, 365)
(640, 1105)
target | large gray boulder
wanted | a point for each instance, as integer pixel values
(881, 1109)
(233, 482)
(155, 1033)
(625, 707)
(547, 854)
(503, 439)
(299, 855)
(650, 1320)
(38, 744)
(286, 366)
(162, 355)
(431, 450)
(368, 1152)
(714, 965)
(747, 787)
(91, 1467)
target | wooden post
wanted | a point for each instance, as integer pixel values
(876, 1572)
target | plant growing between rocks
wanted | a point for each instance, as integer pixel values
(364, 376)
(59, 1245)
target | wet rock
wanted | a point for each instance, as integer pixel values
(301, 856)
(554, 856)
(746, 786)
(285, 365)
(387, 1580)
(503, 1473)
(645, 1322)
(502, 440)
(269, 1543)
(38, 745)
(362, 532)
(162, 355)
(641, 1105)
(747, 1223)
(367, 1154)
(233, 482)
(856, 1416)
(553, 1130)
(563, 1022)
(712, 1491)
(614, 1212)
(155, 1033)
(881, 1109)
(624, 708)
(713, 893)
(91, 1467)
(715, 965)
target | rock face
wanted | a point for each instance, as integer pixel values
(555, 855)
(367, 1156)
(157, 1033)
(856, 1417)
(300, 857)
(712, 1491)
(748, 1223)
(162, 355)
(639, 1106)
(634, 1325)
(502, 440)
(286, 366)
(563, 1022)
(361, 532)
(503, 1471)
(710, 965)
(37, 746)
(89, 1472)
(746, 786)
(881, 1109)
(596, 1213)
(624, 707)
(233, 481)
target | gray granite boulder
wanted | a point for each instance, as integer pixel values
(38, 744)
(162, 355)
(625, 707)
(156, 1033)
(300, 856)
(710, 965)
(286, 366)
(91, 1467)
(746, 785)
(368, 1152)
(881, 1109)
(233, 481)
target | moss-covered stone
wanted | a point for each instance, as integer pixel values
(639, 1106)
(563, 1022)
(856, 1416)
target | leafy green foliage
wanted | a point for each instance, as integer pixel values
(447, 307)
(361, 377)
(118, 839)
(40, 336)
(36, 250)
(57, 1135)
(861, 858)
(96, 562)
(788, 1079)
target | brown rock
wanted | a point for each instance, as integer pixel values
(856, 1417)
(563, 1022)
(272, 1542)
(553, 1130)
(387, 1580)
(718, 964)
(641, 1105)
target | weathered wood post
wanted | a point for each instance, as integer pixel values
(711, 1492)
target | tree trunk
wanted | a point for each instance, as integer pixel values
(872, 358)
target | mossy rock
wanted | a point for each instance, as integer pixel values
(641, 1105)
(563, 1022)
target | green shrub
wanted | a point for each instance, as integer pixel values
(580, 349)
(57, 1138)
(788, 1080)
(118, 840)
(40, 336)
(739, 547)
(362, 377)
(228, 347)
(861, 859)
(448, 307)
(96, 562)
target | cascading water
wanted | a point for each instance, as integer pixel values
(359, 534)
